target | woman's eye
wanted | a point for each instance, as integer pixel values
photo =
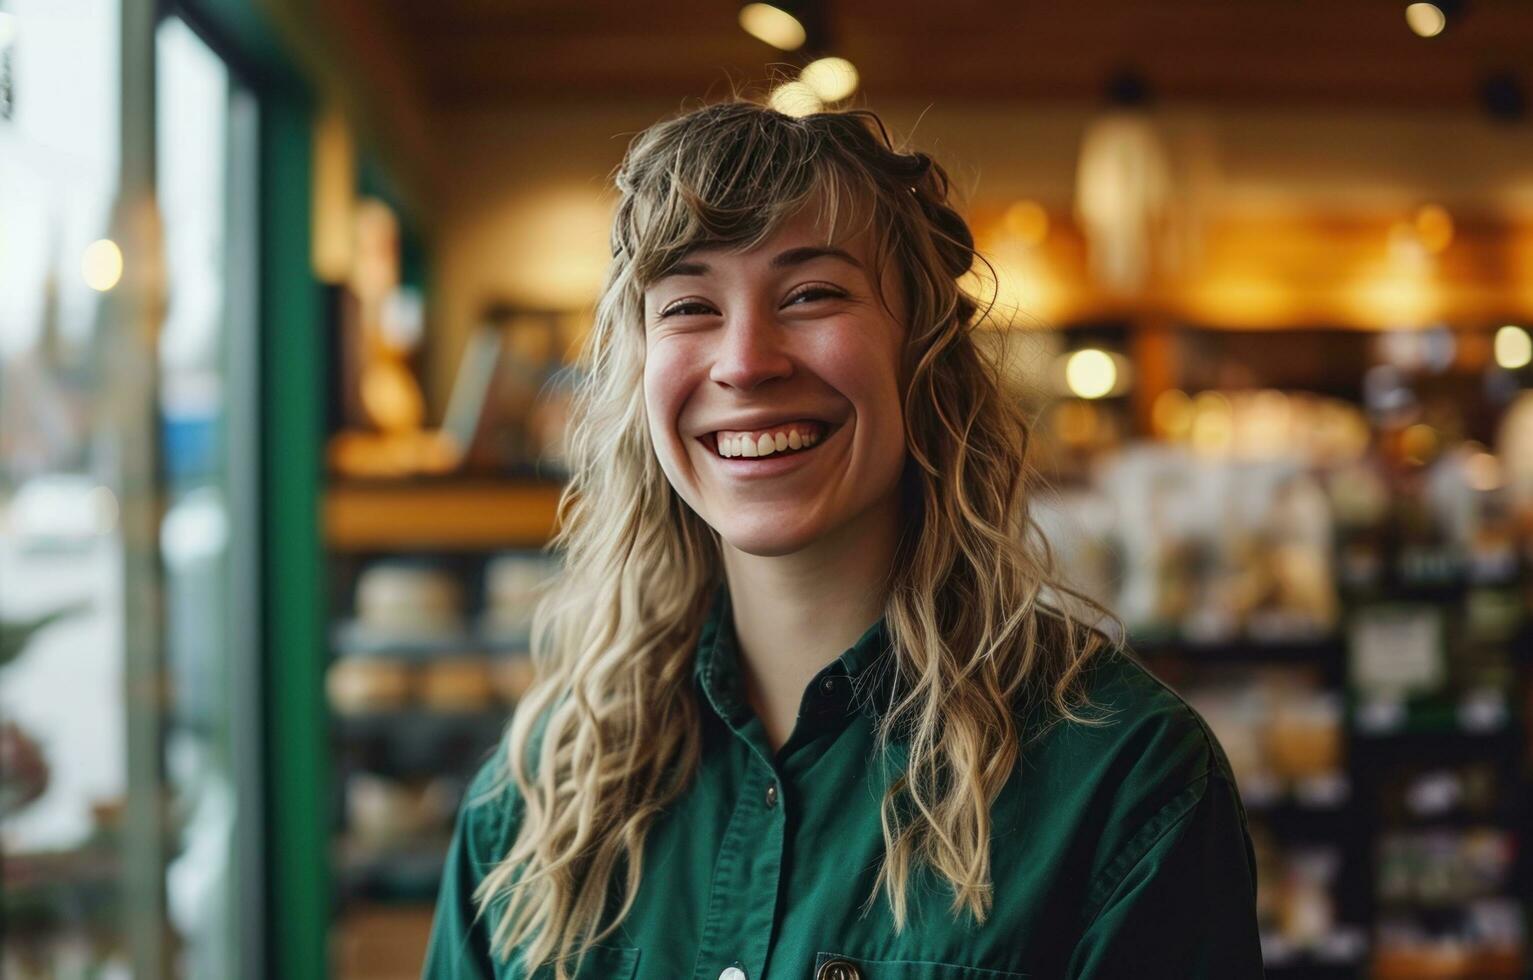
(684, 308)
(813, 293)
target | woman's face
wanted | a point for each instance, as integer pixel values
(787, 345)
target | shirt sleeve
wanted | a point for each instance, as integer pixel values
(1179, 899)
(459, 947)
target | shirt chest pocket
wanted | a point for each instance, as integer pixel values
(839, 966)
(601, 963)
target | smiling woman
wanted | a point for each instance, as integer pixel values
(810, 699)
(790, 338)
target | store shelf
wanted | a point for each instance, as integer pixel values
(417, 741)
(1322, 650)
(351, 638)
(408, 872)
(387, 515)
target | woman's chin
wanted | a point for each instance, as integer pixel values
(766, 539)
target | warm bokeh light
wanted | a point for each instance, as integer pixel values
(101, 265)
(1090, 373)
(1395, 298)
(1514, 348)
(795, 99)
(1434, 227)
(1425, 19)
(1171, 414)
(773, 25)
(1213, 422)
(333, 211)
(1076, 423)
(832, 79)
(1027, 222)
(1419, 442)
(547, 249)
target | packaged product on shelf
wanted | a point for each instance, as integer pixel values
(513, 584)
(362, 684)
(384, 813)
(408, 601)
(455, 683)
(1306, 745)
(512, 675)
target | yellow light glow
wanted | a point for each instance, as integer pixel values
(1434, 226)
(1027, 222)
(1213, 423)
(1246, 299)
(1076, 423)
(1394, 298)
(547, 248)
(101, 265)
(333, 210)
(773, 25)
(832, 79)
(1425, 19)
(1090, 373)
(1514, 348)
(1172, 414)
(1025, 289)
(1419, 442)
(795, 99)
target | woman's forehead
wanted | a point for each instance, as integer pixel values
(809, 227)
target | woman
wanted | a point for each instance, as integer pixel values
(802, 708)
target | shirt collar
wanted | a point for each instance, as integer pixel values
(869, 674)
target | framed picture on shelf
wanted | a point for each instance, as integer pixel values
(509, 403)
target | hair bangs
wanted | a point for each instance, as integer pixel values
(733, 186)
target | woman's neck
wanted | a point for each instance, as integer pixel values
(793, 614)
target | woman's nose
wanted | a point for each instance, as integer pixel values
(750, 351)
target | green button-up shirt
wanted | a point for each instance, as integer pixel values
(1117, 851)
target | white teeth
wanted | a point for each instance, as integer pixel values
(766, 444)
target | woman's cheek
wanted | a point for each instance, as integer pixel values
(666, 384)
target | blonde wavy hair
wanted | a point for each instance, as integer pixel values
(612, 717)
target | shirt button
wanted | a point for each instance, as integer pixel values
(838, 970)
(828, 685)
(771, 798)
(732, 973)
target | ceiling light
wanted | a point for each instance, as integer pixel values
(772, 24)
(832, 79)
(1426, 19)
(1090, 373)
(795, 99)
(1514, 348)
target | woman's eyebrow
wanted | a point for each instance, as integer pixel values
(805, 253)
(783, 260)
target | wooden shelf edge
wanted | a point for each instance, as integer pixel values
(439, 516)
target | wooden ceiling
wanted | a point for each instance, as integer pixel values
(1356, 53)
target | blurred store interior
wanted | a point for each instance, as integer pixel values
(289, 296)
